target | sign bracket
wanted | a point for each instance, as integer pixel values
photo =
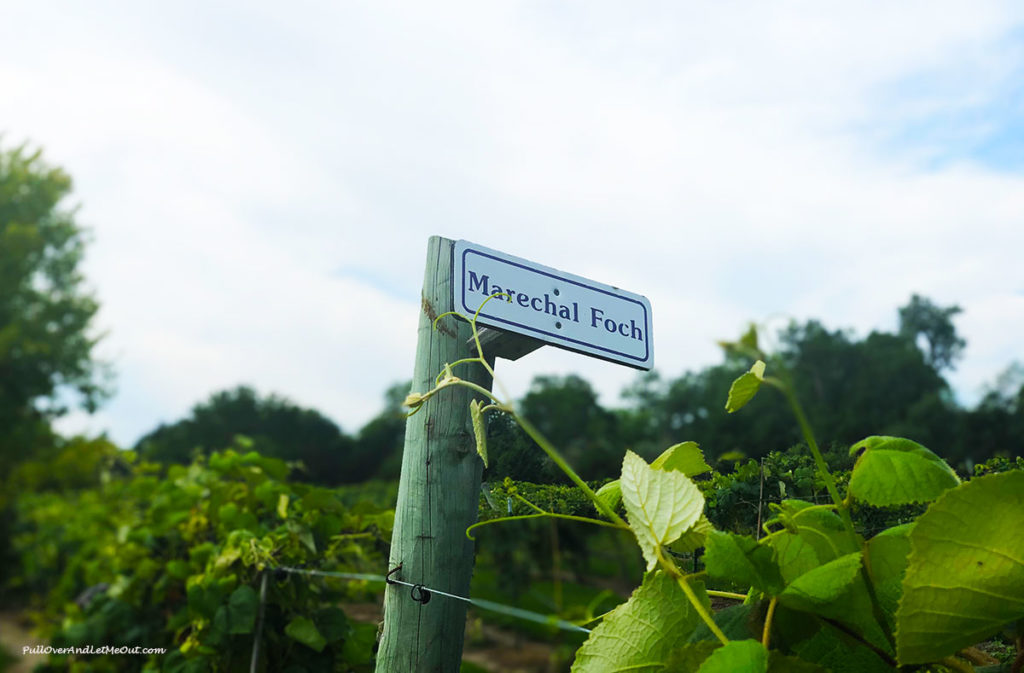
(505, 345)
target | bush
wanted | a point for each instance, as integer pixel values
(178, 563)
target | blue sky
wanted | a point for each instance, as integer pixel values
(261, 180)
(955, 114)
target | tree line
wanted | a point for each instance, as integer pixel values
(851, 387)
(884, 383)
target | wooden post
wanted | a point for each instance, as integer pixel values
(438, 493)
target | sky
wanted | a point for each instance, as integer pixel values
(260, 179)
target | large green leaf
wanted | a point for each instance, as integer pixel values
(745, 387)
(780, 663)
(965, 575)
(737, 622)
(689, 657)
(638, 635)
(739, 656)
(813, 536)
(822, 585)
(686, 458)
(897, 471)
(794, 554)
(887, 563)
(660, 505)
(741, 559)
(840, 653)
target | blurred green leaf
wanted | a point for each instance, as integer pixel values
(303, 630)
(745, 387)
(897, 471)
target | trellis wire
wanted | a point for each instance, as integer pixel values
(478, 602)
(492, 606)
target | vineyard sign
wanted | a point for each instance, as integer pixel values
(553, 306)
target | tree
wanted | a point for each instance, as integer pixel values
(921, 319)
(273, 425)
(854, 388)
(512, 452)
(566, 411)
(380, 442)
(46, 337)
(995, 427)
(850, 388)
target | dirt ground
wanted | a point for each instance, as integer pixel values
(13, 637)
(494, 649)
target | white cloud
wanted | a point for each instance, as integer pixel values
(256, 178)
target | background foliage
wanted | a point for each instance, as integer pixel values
(177, 561)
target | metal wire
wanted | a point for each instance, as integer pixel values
(254, 660)
(509, 610)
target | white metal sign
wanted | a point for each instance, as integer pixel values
(558, 308)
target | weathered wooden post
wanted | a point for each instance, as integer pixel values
(439, 490)
(438, 493)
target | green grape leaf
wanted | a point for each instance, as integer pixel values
(304, 630)
(660, 505)
(887, 555)
(741, 559)
(965, 574)
(479, 429)
(813, 536)
(852, 606)
(821, 585)
(818, 538)
(794, 554)
(780, 663)
(688, 658)
(685, 457)
(638, 635)
(737, 622)
(178, 569)
(694, 538)
(241, 610)
(897, 471)
(357, 648)
(739, 656)
(611, 494)
(203, 598)
(332, 624)
(838, 652)
(745, 387)
(749, 338)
